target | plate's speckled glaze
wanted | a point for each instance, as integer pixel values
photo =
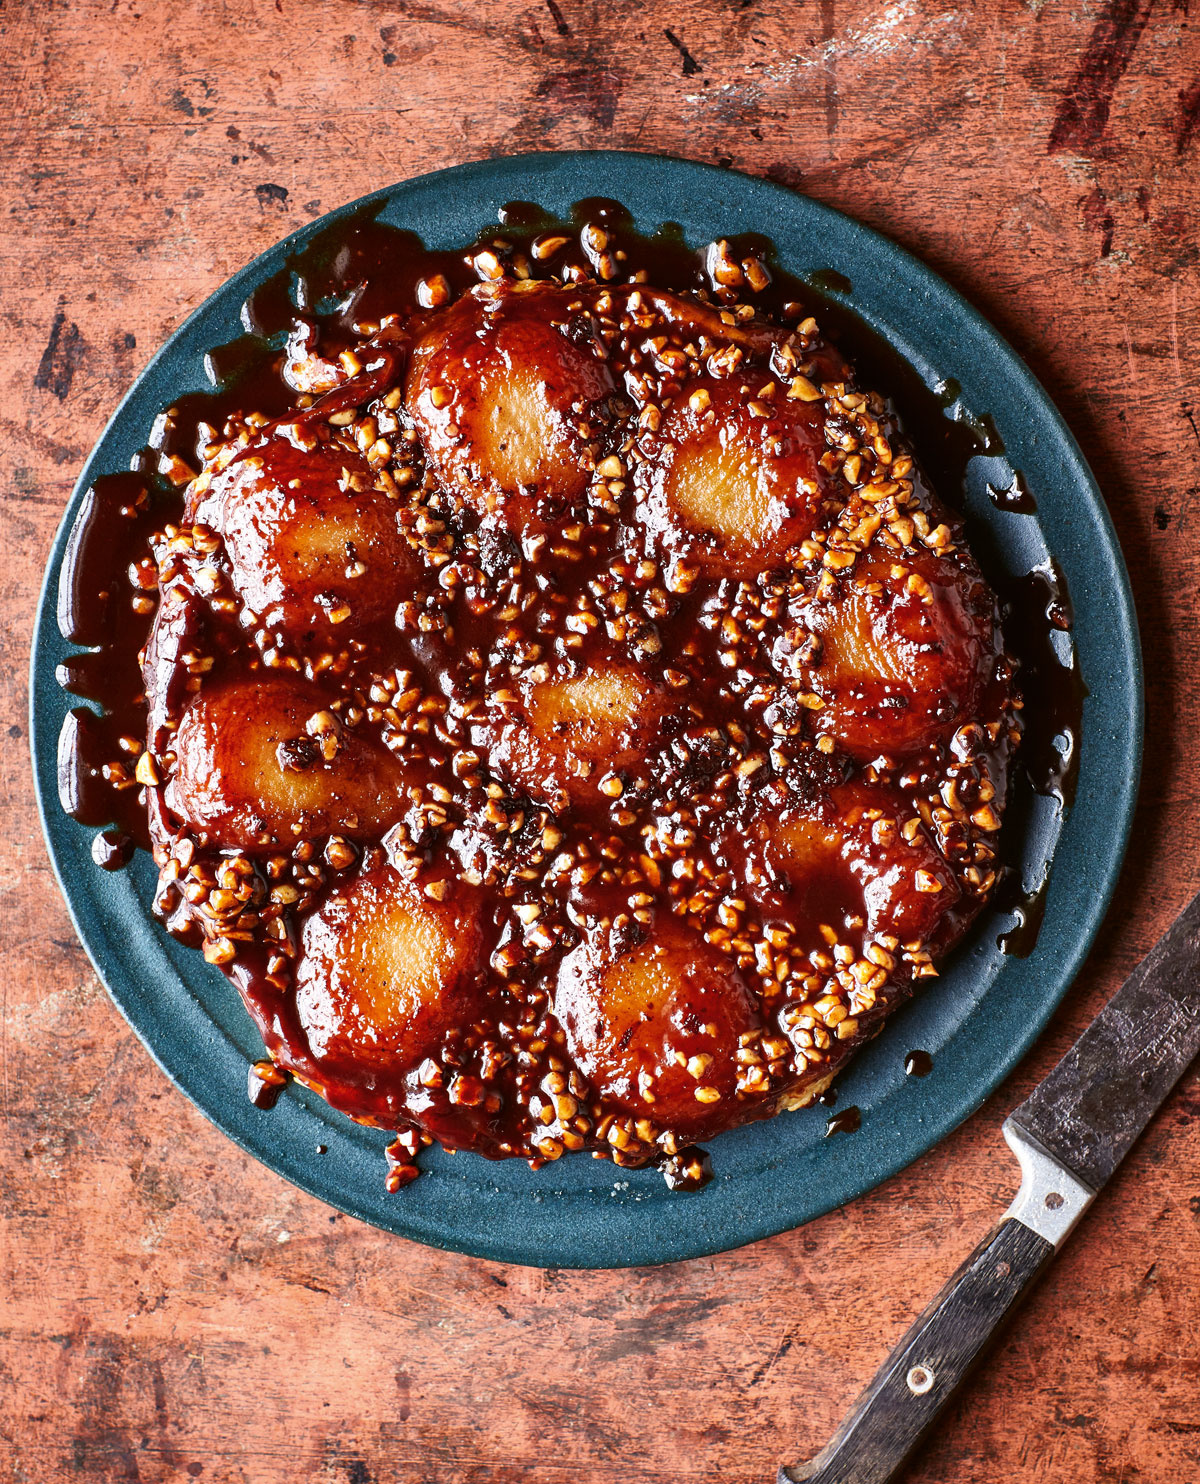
(977, 1020)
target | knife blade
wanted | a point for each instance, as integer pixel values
(1091, 1108)
(1069, 1136)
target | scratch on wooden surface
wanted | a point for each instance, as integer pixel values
(556, 15)
(4, 1047)
(1083, 113)
(1098, 215)
(1190, 415)
(1179, 376)
(828, 31)
(689, 63)
(772, 1360)
(56, 369)
(591, 91)
(1188, 119)
(883, 33)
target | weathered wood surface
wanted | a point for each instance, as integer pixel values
(171, 1309)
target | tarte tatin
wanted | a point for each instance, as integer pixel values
(574, 723)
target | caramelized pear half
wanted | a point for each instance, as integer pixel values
(252, 769)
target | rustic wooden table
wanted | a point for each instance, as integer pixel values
(171, 1309)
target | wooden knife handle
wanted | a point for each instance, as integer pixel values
(930, 1363)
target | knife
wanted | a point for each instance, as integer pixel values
(1069, 1136)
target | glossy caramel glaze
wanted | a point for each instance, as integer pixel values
(573, 721)
(302, 524)
(507, 389)
(260, 761)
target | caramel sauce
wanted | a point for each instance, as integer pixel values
(1016, 498)
(918, 1064)
(264, 1083)
(690, 1170)
(1035, 607)
(1028, 906)
(112, 850)
(847, 1121)
(358, 271)
(829, 281)
(96, 607)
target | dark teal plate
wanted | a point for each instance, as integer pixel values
(977, 1020)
